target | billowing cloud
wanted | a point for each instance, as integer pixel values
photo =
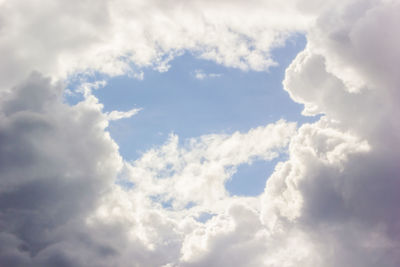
(196, 173)
(55, 161)
(334, 202)
(62, 38)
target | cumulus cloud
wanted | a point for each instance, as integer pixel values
(196, 172)
(110, 36)
(338, 184)
(334, 202)
(55, 161)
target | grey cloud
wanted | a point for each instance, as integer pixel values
(55, 161)
(341, 184)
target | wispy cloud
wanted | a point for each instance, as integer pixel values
(117, 115)
(201, 74)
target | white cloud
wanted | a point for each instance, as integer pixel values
(86, 88)
(196, 172)
(117, 115)
(68, 37)
(201, 75)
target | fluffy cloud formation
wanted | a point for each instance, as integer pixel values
(334, 202)
(62, 38)
(56, 160)
(197, 173)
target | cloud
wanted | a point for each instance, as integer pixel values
(201, 75)
(196, 172)
(59, 200)
(223, 239)
(117, 115)
(338, 184)
(334, 202)
(55, 160)
(72, 37)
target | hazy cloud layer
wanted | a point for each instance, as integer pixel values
(334, 202)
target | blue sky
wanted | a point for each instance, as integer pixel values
(177, 102)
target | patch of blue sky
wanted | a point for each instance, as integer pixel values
(125, 183)
(165, 204)
(204, 217)
(249, 179)
(218, 100)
